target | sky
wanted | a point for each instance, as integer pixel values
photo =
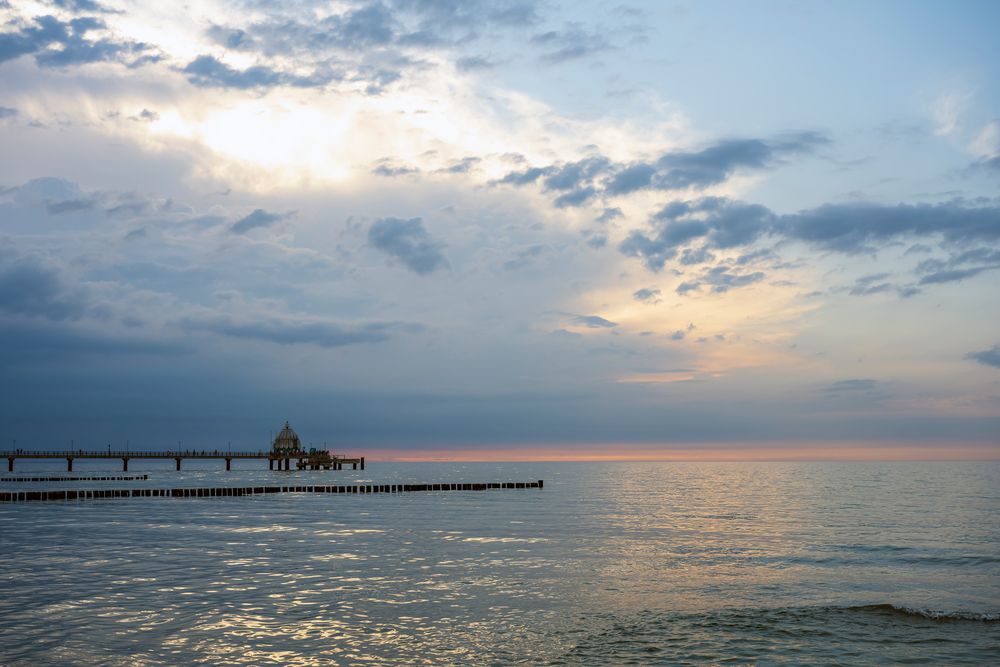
(511, 229)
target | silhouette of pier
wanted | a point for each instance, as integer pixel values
(283, 459)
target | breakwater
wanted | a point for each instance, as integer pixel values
(131, 478)
(230, 491)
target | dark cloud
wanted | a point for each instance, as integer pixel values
(462, 166)
(696, 256)
(33, 343)
(526, 257)
(723, 223)
(990, 357)
(871, 284)
(231, 38)
(631, 178)
(575, 198)
(713, 165)
(847, 228)
(81, 6)
(209, 72)
(72, 39)
(593, 322)
(525, 177)
(408, 242)
(450, 14)
(956, 267)
(987, 164)
(387, 168)
(721, 279)
(285, 332)
(845, 386)
(574, 175)
(7, 112)
(951, 275)
(647, 295)
(32, 288)
(258, 218)
(572, 43)
(70, 205)
(854, 228)
(609, 214)
(473, 63)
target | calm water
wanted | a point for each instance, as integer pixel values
(631, 563)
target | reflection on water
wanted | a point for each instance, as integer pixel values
(610, 563)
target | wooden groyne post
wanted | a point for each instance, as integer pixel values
(230, 491)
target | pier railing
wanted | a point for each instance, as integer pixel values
(314, 459)
(135, 454)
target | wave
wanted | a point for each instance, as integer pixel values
(930, 614)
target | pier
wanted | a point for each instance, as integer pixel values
(277, 460)
(232, 491)
(74, 479)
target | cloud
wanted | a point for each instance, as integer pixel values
(593, 322)
(473, 63)
(574, 175)
(71, 38)
(576, 197)
(572, 43)
(721, 279)
(8, 112)
(848, 228)
(850, 386)
(525, 257)
(647, 295)
(285, 332)
(723, 223)
(462, 166)
(30, 287)
(525, 177)
(853, 228)
(950, 276)
(448, 14)
(990, 357)
(258, 218)
(30, 343)
(716, 163)
(871, 284)
(210, 72)
(81, 6)
(631, 178)
(598, 176)
(408, 242)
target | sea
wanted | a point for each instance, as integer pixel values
(637, 563)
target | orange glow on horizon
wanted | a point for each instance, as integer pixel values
(812, 452)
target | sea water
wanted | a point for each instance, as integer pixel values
(619, 563)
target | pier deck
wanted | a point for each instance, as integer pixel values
(282, 459)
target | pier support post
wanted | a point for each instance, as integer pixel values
(69, 464)
(178, 462)
(229, 464)
(362, 463)
(288, 464)
(354, 466)
(270, 464)
(10, 464)
(124, 464)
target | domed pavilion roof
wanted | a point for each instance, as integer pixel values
(287, 440)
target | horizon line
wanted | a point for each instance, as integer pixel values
(719, 454)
